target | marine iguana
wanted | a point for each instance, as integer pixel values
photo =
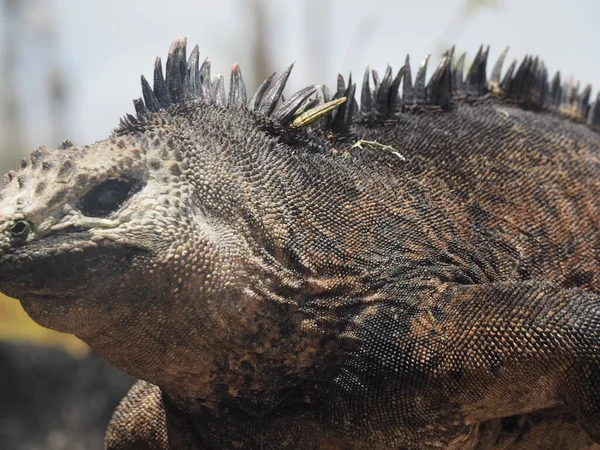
(420, 271)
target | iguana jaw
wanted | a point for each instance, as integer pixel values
(55, 274)
(60, 264)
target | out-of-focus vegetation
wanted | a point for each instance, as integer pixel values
(15, 324)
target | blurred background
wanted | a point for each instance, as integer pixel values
(70, 68)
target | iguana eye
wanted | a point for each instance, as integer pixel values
(20, 230)
(105, 198)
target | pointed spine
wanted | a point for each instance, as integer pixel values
(420, 91)
(494, 84)
(149, 98)
(205, 79)
(140, 108)
(458, 81)
(176, 70)
(556, 90)
(345, 113)
(217, 93)
(408, 92)
(382, 94)
(160, 86)
(237, 88)
(285, 112)
(341, 84)
(394, 99)
(507, 80)
(366, 98)
(593, 117)
(254, 102)
(194, 86)
(584, 100)
(476, 78)
(268, 104)
(439, 89)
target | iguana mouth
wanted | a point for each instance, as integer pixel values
(62, 263)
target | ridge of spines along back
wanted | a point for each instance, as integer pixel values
(526, 84)
(188, 80)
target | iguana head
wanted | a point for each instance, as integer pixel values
(146, 236)
(63, 218)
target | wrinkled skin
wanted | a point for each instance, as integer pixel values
(301, 293)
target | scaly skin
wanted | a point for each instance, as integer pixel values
(294, 290)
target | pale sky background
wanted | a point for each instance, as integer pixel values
(102, 47)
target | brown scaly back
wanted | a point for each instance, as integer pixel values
(525, 84)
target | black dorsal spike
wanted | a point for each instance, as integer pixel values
(527, 85)
(525, 79)
(507, 79)
(269, 102)
(149, 97)
(476, 78)
(458, 81)
(439, 89)
(327, 122)
(383, 93)
(494, 84)
(584, 101)
(593, 117)
(285, 112)
(529, 90)
(341, 84)
(547, 90)
(555, 90)
(394, 99)
(140, 108)
(536, 85)
(544, 85)
(160, 87)
(408, 92)
(194, 86)
(345, 113)
(337, 124)
(254, 102)
(205, 79)
(354, 109)
(217, 93)
(420, 90)
(484, 61)
(176, 70)
(325, 93)
(520, 82)
(450, 55)
(570, 93)
(366, 98)
(237, 88)
(376, 81)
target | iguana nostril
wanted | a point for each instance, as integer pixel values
(20, 230)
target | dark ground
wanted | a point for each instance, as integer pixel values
(52, 401)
